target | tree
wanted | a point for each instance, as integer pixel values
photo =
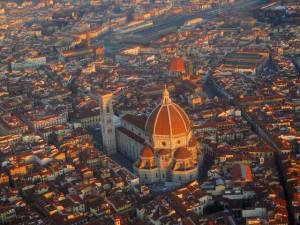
(53, 139)
(294, 147)
(213, 208)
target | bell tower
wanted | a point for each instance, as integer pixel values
(107, 124)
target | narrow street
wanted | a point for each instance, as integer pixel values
(260, 132)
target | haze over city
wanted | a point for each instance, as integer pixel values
(149, 112)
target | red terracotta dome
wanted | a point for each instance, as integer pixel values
(177, 65)
(182, 153)
(147, 152)
(167, 119)
(163, 152)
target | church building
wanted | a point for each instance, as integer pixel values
(162, 146)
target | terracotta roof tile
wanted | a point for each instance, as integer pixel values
(147, 152)
(182, 153)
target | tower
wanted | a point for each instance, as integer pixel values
(107, 124)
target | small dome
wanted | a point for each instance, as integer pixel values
(147, 152)
(163, 152)
(182, 153)
(177, 65)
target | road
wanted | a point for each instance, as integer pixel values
(260, 131)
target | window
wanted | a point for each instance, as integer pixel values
(178, 142)
(107, 109)
(163, 143)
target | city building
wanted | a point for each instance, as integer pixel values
(169, 151)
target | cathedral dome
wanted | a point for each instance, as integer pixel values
(177, 65)
(168, 119)
(182, 153)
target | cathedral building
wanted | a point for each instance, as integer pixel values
(162, 146)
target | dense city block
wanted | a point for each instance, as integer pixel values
(140, 112)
